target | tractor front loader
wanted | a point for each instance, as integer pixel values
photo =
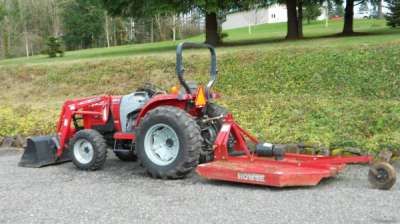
(171, 133)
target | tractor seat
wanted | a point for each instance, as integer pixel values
(129, 104)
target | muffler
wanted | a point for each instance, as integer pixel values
(41, 151)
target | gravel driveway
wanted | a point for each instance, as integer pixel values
(122, 193)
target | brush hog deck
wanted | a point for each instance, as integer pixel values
(268, 164)
(293, 170)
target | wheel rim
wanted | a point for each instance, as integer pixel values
(83, 151)
(161, 144)
(382, 175)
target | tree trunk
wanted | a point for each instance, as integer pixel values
(380, 12)
(292, 23)
(300, 17)
(162, 34)
(326, 16)
(26, 39)
(26, 43)
(152, 31)
(212, 35)
(174, 27)
(22, 18)
(348, 18)
(55, 17)
(249, 28)
(132, 36)
(106, 27)
(31, 47)
(6, 53)
(114, 31)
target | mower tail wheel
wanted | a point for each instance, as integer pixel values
(168, 143)
(88, 150)
(126, 155)
(382, 175)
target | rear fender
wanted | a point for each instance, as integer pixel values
(175, 100)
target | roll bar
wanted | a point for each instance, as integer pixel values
(180, 70)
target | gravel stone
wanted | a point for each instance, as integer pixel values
(123, 193)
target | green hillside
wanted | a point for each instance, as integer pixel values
(336, 91)
(263, 36)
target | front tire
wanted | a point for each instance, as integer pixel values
(88, 150)
(168, 143)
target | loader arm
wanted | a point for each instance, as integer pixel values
(74, 107)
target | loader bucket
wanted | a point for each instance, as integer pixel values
(41, 151)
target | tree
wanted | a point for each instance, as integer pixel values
(295, 15)
(393, 17)
(2, 16)
(2, 12)
(363, 7)
(294, 10)
(349, 14)
(311, 12)
(213, 11)
(380, 7)
(339, 10)
(54, 47)
(300, 5)
(25, 25)
(24, 15)
(83, 22)
(293, 22)
(348, 18)
(8, 10)
(148, 12)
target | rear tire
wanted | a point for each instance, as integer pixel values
(88, 150)
(210, 130)
(168, 143)
(215, 110)
(126, 156)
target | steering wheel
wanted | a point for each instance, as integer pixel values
(151, 89)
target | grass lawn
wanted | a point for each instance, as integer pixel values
(264, 36)
(333, 91)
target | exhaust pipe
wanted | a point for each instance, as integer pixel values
(41, 151)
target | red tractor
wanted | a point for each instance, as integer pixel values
(171, 133)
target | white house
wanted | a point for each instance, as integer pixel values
(276, 14)
(273, 14)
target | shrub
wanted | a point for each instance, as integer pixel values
(54, 47)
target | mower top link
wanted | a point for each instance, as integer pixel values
(170, 134)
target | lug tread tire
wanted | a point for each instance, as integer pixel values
(99, 147)
(215, 110)
(191, 139)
